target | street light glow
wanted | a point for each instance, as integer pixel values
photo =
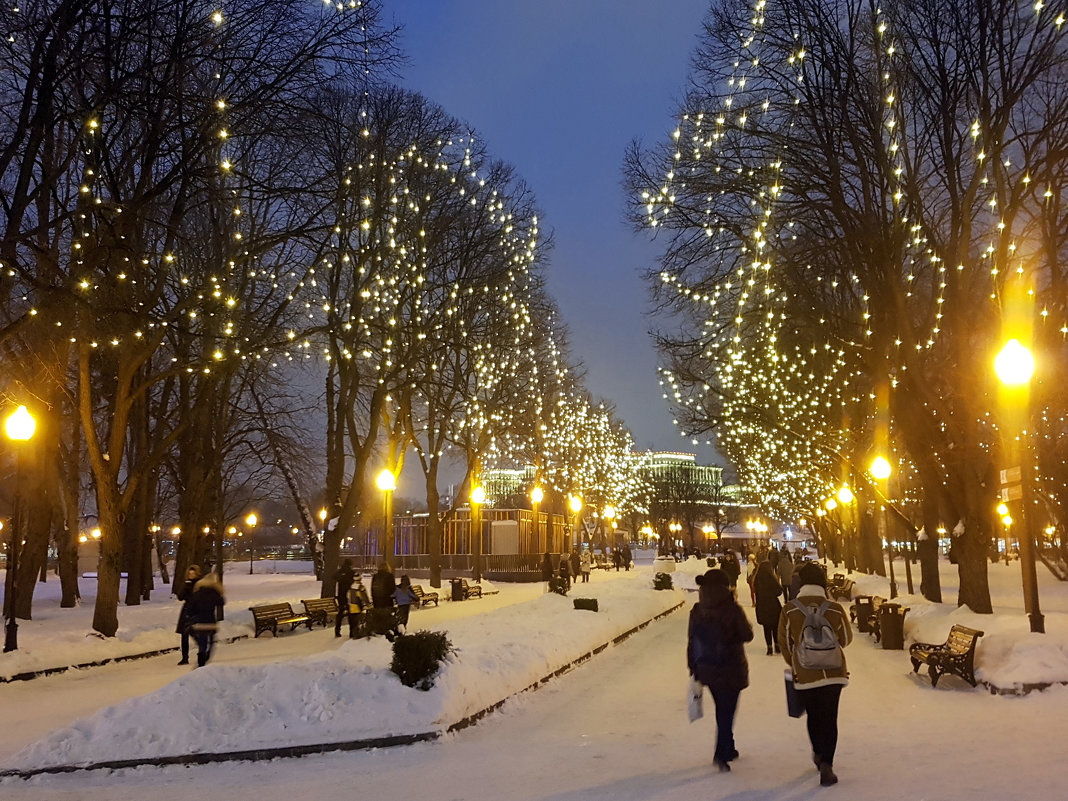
(478, 496)
(1014, 364)
(20, 424)
(880, 468)
(576, 503)
(536, 495)
(386, 481)
(845, 495)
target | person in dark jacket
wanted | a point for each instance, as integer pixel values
(576, 564)
(715, 655)
(192, 576)
(565, 572)
(204, 605)
(729, 564)
(627, 557)
(547, 571)
(766, 589)
(382, 588)
(345, 576)
(819, 689)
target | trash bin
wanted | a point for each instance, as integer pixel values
(457, 589)
(863, 608)
(892, 626)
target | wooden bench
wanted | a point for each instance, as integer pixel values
(956, 655)
(270, 616)
(840, 587)
(424, 597)
(471, 590)
(320, 610)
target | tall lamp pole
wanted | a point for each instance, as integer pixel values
(536, 496)
(478, 497)
(880, 470)
(387, 482)
(251, 521)
(1014, 366)
(576, 507)
(19, 427)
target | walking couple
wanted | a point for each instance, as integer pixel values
(716, 658)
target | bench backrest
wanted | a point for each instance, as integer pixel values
(271, 610)
(320, 603)
(962, 639)
(418, 591)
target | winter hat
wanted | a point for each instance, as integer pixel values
(813, 573)
(714, 577)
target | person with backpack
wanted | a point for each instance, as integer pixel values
(813, 630)
(715, 655)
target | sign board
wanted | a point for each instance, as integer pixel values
(505, 536)
(1010, 475)
(1013, 492)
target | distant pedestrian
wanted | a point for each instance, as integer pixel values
(715, 655)
(576, 564)
(617, 557)
(627, 556)
(204, 605)
(345, 577)
(785, 570)
(192, 576)
(819, 688)
(750, 576)
(767, 590)
(565, 572)
(729, 564)
(404, 596)
(586, 565)
(547, 570)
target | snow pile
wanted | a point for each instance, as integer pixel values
(350, 693)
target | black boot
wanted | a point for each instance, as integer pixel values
(827, 777)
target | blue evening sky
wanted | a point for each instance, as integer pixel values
(559, 88)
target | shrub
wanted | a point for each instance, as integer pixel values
(662, 581)
(416, 657)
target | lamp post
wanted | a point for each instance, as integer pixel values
(609, 514)
(19, 427)
(880, 470)
(387, 482)
(478, 497)
(536, 496)
(576, 508)
(1014, 366)
(251, 521)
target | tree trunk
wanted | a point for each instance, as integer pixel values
(105, 613)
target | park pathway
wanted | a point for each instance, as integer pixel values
(615, 729)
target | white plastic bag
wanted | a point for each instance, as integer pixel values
(694, 700)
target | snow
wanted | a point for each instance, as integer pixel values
(613, 728)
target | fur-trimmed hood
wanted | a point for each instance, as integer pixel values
(210, 581)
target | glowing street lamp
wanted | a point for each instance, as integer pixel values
(880, 470)
(250, 521)
(19, 428)
(478, 497)
(575, 503)
(387, 482)
(536, 496)
(1014, 366)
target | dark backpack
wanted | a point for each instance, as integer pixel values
(818, 647)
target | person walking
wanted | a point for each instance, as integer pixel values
(204, 604)
(586, 565)
(715, 655)
(750, 576)
(382, 619)
(785, 570)
(617, 557)
(627, 557)
(766, 590)
(404, 596)
(547, 571)
(345, 577)
(729, 564)
(576, 564)
(192, 576)
(819, 688)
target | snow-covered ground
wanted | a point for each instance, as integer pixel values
(615, 727)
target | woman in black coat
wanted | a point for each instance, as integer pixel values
(715, 655)
(767, 589)
(192, 576)
(203, 607)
